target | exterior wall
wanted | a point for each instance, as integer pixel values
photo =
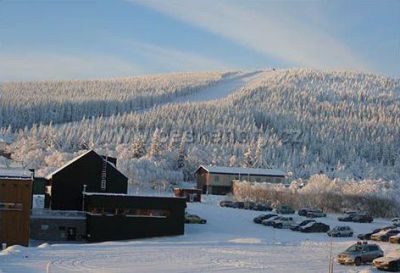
(67, 184)
(15, 209)
(221, 183)
(191, 195)
(119, 217)
(58, 229)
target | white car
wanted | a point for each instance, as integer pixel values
(390, 262)
(283, 222)
(341, 231)
(396, 221)
(270, 221)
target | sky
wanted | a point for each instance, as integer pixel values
(84, 39)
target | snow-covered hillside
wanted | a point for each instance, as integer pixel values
(343, 124)
(229, 242)
(25, 103)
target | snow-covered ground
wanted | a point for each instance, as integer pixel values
(230, 84)
(229, 242)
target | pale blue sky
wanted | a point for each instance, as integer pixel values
(63, 39)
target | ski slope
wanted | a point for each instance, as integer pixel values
(229, 242)
(230, 84)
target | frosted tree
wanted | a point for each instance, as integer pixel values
(138, 148)
(155, 145)
(259, 159)
(248, 159)
(182, 152)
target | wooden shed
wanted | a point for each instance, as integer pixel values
(219, 180)
(97, 173)
(15, 206)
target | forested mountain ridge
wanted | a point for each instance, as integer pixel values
(343, 124)
(25, 103)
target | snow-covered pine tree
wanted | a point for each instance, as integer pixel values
(155, 144)
(138, 148)
(248, 159)
(182, 152)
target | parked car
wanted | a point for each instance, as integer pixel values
(362, 218)
(314, 227)
(226, 203)
(341, 231)
(269, 222)
(303, 211)
(296, 226)
(194, 219)
(311, 213)
(391, 262)
(395, 239)
(396, 221)
(367, 236)
(360, 253)
(262, 207)
(384, 235)
(262, 217)
(284, 209)
(348, 218)
(283, 222)
(315, 213)
(238, 205)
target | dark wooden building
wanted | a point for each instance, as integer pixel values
(15, 206)
(191, 195)
(122, 217)
(219, 180)
(98, 173)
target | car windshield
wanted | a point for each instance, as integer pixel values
(354, 248)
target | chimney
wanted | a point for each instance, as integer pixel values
(32, 173)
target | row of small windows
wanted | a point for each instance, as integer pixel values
(255, 179)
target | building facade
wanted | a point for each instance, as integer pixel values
(219, 180)
(89, 172)
(15, 206)
(121, 217)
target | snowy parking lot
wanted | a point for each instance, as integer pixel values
(229, 242)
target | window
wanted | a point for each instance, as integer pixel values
(216, 178)
(11, 206)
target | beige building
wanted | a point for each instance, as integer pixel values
(219, 180)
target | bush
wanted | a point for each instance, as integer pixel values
(375, 197)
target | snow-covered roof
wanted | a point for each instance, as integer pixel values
(15, 173)
(243, 171)
(49, 176)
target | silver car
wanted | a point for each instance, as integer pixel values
(341, 231)
(360, 253)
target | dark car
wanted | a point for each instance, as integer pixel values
(362, 218)
(303, 211)
(284, 209)
(296, 227)
(316, 213)
(238, 205)
(226, 203)
(360, 253)
(367, 236)
(261, 207)
(315, 227)
(347, 218)
(262, 217)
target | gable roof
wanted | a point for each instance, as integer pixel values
(15, 173)
(242, 171)
(49, 176)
